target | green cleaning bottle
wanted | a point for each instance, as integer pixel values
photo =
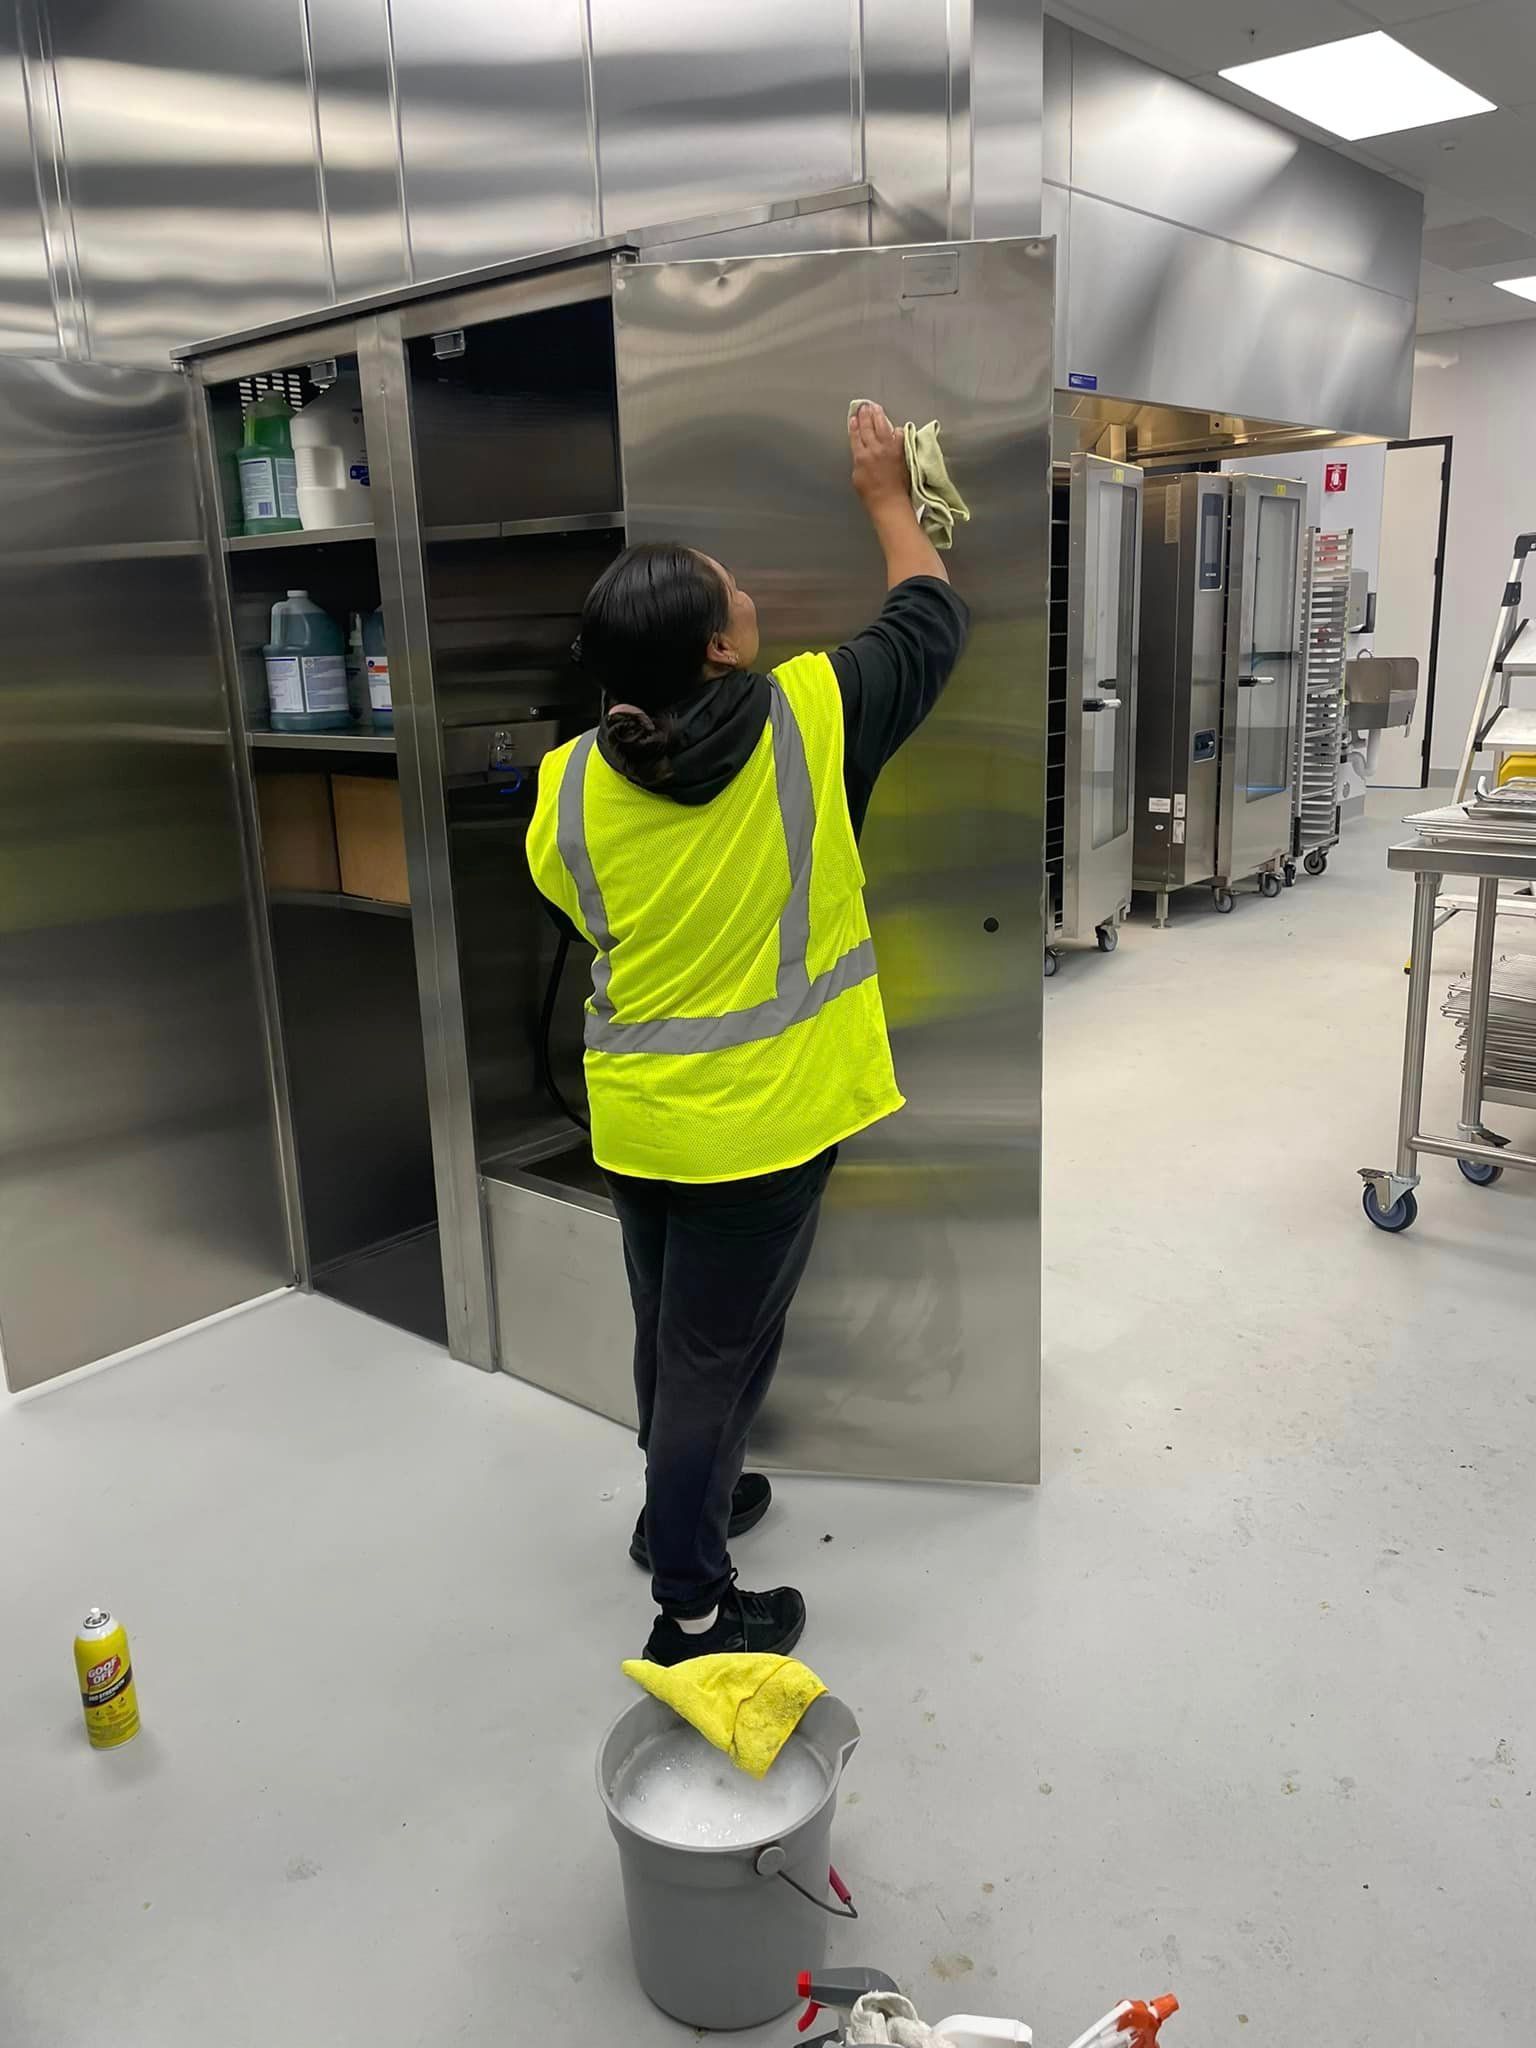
(269, 488)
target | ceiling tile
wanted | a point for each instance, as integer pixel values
(1204, 35)
(1489, 159)
(1392, 13)
(1490, 47)
(1479, 244)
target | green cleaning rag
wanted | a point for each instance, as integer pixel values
(934, 498)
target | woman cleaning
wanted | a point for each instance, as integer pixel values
(703, 839)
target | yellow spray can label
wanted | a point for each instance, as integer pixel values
(106, 1681)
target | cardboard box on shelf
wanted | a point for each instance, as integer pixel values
(370, 837)
(298, 834)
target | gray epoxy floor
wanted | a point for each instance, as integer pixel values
(1239, 1701)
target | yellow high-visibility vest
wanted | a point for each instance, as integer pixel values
(735, 1025)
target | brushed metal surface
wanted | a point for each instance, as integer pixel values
(697, 103)
(914, 1347)
(353, 63)
(909, 57)
(27, 319)
(1103, 588)
(388, 417)
(138, 1184)
(493, 130)
(1160, 311)
(189, 136)
(1005, 74)
(1259, 718)
(1162, 146)
(1179, 679)
(562, 1302)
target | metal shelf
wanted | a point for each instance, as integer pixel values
(515, 529)
(315, 537)
(327, 742)
(321, 899)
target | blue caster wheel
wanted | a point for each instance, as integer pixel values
(1400, 1216)
(1479, 1172)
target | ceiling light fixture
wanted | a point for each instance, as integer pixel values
(1364, 85)
(1522, 287)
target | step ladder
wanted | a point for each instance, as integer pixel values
(1499, 727)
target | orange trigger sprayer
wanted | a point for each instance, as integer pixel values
(1133, 2024)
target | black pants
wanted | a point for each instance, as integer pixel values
(712, 1272)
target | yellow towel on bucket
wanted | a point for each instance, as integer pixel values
(747, 1705)
(934, 498)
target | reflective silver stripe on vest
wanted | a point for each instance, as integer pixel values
(797, 997)
(571, 839)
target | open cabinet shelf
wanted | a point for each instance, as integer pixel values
(515, 529)
(327, 742)
(326, 899)
(316, 537)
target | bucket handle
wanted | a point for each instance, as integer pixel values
(770, 1862)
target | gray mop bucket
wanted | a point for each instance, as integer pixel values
(721, 1935)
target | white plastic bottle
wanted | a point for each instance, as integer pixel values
(381, 704)
(331, 458)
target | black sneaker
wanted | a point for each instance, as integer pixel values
(772, 1622)
(749, 1504)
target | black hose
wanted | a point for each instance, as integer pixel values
(547, 1079)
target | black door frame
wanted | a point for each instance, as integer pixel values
(1432, 441)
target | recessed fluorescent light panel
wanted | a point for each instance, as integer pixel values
(1522, 287)
(1364, 85)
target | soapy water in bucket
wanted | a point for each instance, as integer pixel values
(679, 1788)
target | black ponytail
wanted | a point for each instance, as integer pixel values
(645, 633)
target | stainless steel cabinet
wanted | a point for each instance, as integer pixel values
(519, 427)
(1095, 595)
(1219, 683)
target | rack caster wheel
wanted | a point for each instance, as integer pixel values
(1109, 938)
(1223, 900)
(1269, 885)
(1401, 1216)
(1316, 862)
(1052, 961)
(1480, 1172)
(1290, 874)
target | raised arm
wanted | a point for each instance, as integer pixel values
(881, 480)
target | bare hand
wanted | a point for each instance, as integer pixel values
(879, 459)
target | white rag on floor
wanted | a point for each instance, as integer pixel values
(882, 2017)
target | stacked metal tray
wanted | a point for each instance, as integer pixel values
(1504, 817)
(1509, 1060)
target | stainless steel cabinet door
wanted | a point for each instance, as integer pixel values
(1262, 671)
(1104, 586)
(914, 1349)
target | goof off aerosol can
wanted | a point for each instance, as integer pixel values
(106, 1681)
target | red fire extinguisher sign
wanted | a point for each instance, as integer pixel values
(1335, 476)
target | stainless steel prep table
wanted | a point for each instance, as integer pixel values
(1389, 1198)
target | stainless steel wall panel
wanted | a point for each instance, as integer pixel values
(701, 105)
(1006, 115)
(908, 146)
(1145, 140)
(1056, 108)
(351, 45)
(1158, 310)
(493, 129)
(138, 1183)
(915, 1343)
(190, 143)
(27, 321)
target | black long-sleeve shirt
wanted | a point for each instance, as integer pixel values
(889, 677)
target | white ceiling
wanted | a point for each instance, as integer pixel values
(1478, 176)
